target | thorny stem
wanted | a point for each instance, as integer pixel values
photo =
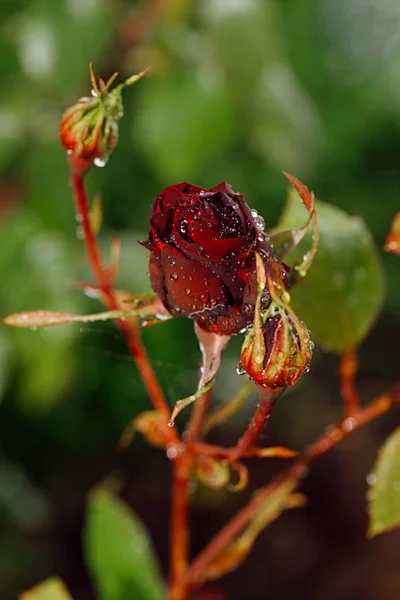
(329, 439)
(128, 328)
(348, 369)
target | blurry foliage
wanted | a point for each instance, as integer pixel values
(384, 505)
(118, 551)
(239, 90)
(52, 589)
(342, 294)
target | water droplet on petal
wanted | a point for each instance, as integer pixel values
(204, 297)
(187, 290)
(240, 369)
(173, 276)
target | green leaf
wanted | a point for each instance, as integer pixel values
(51, 589)
(344, 289)
(118, 551)
(177, 148)
(384, 495)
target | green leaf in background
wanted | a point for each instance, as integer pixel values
(51, 589)
(183, 125)
(118, 551)
(384, 495)
(344, 289)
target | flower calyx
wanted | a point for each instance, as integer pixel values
(89, 128)
(277, 349)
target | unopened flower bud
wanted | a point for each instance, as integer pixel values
(277, 349)
(89, 128)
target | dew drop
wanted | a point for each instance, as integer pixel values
(184, 226)
(213, 301)
(258, 221)
(173, 276)
(187, 290)
(204, 297)
(172, 451)
(349, 424)
(92, 292)
(240, 370)
(100, 162)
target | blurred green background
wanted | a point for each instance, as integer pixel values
(239, 91)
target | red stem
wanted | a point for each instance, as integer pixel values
(348, 390)
(180, 500)
(377, 408)
(267, 397)
(128, 328)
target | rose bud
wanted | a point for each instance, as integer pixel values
(202, 262)
(277, 349)
(89, 128)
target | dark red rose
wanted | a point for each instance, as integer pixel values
(202, 262)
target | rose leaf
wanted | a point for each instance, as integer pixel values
(342, 294)
(384, 494)
(118, 551)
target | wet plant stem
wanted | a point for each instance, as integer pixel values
(180, 499)
(348, 390)
(198, 570)
(128, 328)
(267, 399)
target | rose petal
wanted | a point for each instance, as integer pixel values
(188, 287)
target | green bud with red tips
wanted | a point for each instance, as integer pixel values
(277, 349)
(89, 128)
